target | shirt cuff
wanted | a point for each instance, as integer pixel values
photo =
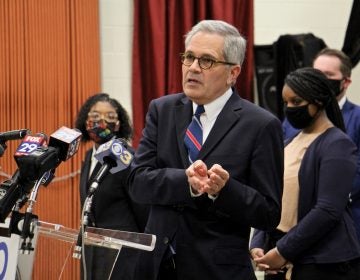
(213, 197)
(194, 194)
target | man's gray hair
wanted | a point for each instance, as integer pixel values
(234, 42)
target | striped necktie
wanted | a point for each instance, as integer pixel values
(194, 134)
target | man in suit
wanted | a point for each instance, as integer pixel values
(337, 67)
(204, 203)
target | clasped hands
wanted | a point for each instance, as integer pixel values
(271, 262)
(204, 180)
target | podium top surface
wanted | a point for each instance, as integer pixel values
(99, 236)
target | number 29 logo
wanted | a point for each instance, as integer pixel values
(27, 148)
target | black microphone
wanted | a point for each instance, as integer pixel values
(26, 154)
(2, 149)
(18, 187)
(114, 157)
(10, 193)
(13, 134)
(35, 159)
(30, 143)
(63, 144)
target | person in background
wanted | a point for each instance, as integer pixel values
(100, 119)
(209, 164)
(316, 234)
(337, 67)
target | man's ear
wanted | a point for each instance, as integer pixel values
(234, 73)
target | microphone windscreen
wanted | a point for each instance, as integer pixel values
(13, 134)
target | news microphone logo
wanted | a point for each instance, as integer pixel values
(67, 140)
(115, 150)
(30, 143)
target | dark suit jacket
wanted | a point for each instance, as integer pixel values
(211, 237)
(351, 115)
(325, 232)
(112, 208)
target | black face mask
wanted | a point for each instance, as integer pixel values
(336, 86)
(299, 117)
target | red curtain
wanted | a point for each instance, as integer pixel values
(159, 29)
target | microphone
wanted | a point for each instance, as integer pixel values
(114, 157)
(63, 144)
(10, 193)
(36, 160)
(29, 144)
(67, 141)
(17, 188)
(24, 157)
(13, 134)
(2, 149)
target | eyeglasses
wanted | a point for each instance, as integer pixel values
(204, 62)
(110, 117)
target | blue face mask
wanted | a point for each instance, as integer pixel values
(102, 131)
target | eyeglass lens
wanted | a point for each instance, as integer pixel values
(204, 62)
(109, 117)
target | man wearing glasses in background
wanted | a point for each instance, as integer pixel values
(209, 164)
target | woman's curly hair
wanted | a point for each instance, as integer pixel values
(125, 130)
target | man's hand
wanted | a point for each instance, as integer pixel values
(197, 176)
(218, 177)
(207, 181)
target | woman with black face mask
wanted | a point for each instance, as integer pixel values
(316, 237)
(100, 119)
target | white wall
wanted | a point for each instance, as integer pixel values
(116, 27)
(326, 19)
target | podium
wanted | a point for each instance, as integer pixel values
(18, 266)
(101, 237)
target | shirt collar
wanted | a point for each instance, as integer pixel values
(213, 109)
(342, 102)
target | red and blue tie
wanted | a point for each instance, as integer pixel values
(194, 134)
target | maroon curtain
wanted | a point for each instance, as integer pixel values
(159, 29)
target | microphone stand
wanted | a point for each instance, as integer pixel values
(30, 219)
(85, 220)
(85, 215)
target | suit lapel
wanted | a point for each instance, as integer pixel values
(346, 112)
(182, 118)
(85, 175)
(227, 118)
